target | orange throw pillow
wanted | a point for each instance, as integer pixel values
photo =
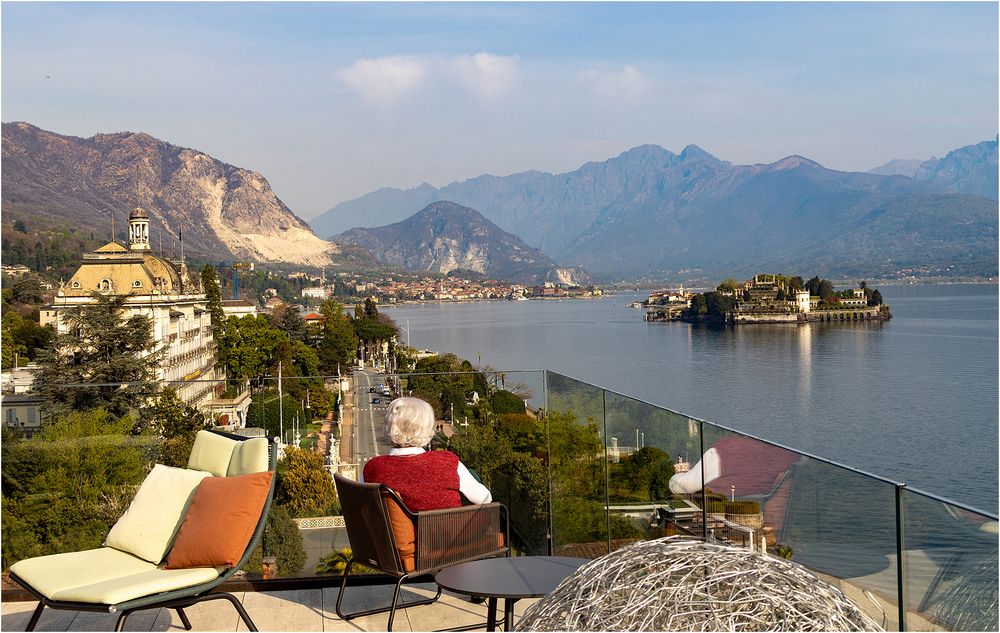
(220, 521)
(404, 533)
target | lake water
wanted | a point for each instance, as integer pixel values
(913, 399)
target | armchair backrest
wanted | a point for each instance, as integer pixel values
(430, 539)
(368, 526)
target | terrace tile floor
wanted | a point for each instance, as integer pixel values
(297, 610)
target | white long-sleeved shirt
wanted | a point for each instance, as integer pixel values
(471, 489)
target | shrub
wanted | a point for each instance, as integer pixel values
(716, 506)
(305, 486)
(743, 506)
(506, 402)
(283, 541)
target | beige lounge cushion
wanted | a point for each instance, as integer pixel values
(148, 526)
(104, 576)
(249, 456)
(212, 452)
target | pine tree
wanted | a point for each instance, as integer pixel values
(103, 360)
(176, 424)
(289, 320)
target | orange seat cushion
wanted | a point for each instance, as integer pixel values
(220, 521)
(404, 532)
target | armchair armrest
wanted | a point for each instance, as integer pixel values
(456, 535)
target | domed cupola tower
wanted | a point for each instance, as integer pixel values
(138, 230)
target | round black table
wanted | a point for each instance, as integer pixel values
(510, 578)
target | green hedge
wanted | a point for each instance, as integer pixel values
(740, 506)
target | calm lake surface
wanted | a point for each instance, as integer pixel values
(913, 399)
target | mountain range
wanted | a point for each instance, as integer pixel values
(444, 237)
(652, 213)
(647, 213)
(970, 169)
(221, 211)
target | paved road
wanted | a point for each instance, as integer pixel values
(368, 417)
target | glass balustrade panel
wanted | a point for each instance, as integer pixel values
(646, 446)
(838, 523)
(951, 566)
(574, 421)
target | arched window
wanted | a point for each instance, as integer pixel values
(137, 284)
(75, 284)
(105, 285)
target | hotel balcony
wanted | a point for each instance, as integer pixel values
(612, 471)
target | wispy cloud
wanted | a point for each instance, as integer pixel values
(488, 76)
(629, 82)
(383, 80)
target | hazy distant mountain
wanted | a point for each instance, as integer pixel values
(970, 169)
(444, 236)
(898, 167)
(223, 211)
(650, 212)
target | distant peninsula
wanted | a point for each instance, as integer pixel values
(768, 298)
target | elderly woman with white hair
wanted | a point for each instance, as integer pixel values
(426, 480)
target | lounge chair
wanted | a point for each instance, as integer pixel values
(389, 537)
(128, 573)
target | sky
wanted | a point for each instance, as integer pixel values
(332, 100)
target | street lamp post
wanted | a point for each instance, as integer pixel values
(281, 408)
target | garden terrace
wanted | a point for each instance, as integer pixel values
(583, 470)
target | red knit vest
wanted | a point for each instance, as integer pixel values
(426, 481)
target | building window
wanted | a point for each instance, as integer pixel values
(105, 285)
(137, 284)
(76, 284)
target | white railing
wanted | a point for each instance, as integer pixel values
(312, 523)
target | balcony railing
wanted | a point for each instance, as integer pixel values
(585, 470)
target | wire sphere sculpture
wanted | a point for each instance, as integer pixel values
(679, 584)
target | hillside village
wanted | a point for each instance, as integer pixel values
(392, 289)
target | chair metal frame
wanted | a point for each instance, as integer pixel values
(177, 599)
(373, 543)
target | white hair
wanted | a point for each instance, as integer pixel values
(409, 422)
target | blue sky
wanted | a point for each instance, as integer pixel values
(330, 101)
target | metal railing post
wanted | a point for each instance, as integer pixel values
(900, 558)
(548, 442)
(607, 480)
(701, 460)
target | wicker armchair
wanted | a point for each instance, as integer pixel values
(441, 538)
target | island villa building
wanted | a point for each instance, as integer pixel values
(173, 299)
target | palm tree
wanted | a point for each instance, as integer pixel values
(335, 562)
